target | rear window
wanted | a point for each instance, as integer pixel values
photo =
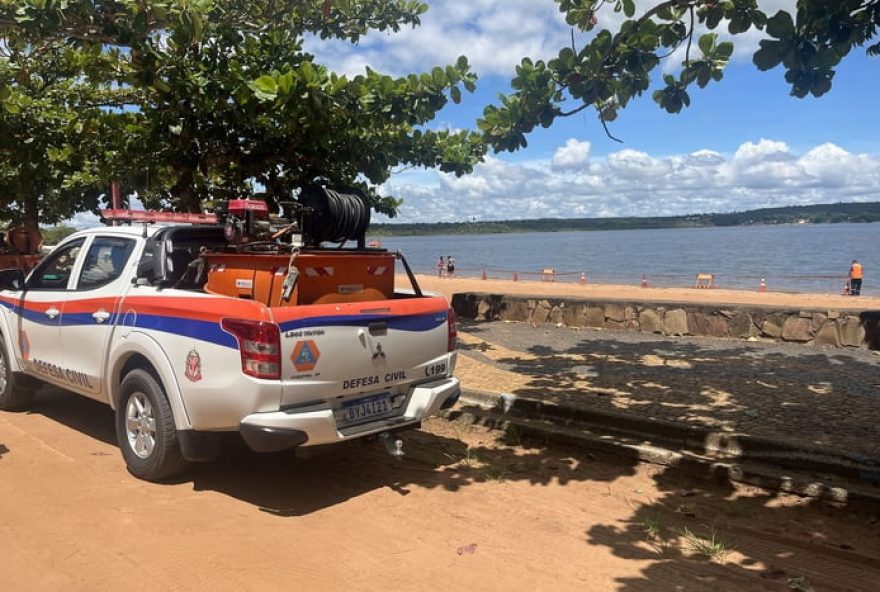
(104, 262)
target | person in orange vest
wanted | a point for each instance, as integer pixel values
(856, 272)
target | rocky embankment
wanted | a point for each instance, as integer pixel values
(822, 327)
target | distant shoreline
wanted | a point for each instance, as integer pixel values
(840, 213)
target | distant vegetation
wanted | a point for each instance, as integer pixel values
(55, 234)
(817, 214)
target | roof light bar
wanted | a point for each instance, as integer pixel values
(110, 215)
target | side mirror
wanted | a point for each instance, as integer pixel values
(11, 279)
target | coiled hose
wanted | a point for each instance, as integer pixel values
(336, 216)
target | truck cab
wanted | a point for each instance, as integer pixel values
(187, 337)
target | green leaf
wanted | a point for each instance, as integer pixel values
(769, 55)
(714, 16)
(161, 86)
(724, 50)
(629, 8)
(265, 88)
(826, 58)
(707, 42)
(265, 84)
(739, 23)
(780, 25)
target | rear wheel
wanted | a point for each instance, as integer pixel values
(145, 429)
(15, 393)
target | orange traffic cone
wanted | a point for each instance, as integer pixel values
(484, 275)
(846, 291)
(644, 281)
(762, 287)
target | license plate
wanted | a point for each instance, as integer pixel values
(366, 407)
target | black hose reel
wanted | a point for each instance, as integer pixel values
(334, 216)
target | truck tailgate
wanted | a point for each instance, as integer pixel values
(362, 357)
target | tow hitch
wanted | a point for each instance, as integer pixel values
(393, 446)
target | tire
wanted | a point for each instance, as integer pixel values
(15, 392)
(145, 429)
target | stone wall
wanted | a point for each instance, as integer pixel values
(814, 327)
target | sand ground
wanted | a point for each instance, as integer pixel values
(465, 510)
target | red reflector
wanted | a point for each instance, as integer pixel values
(260, 345)
(453, 329)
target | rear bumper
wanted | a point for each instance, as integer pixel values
(316, 425)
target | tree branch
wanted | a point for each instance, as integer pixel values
(608, 133)
(575, 110)
(641, 20)
(687, 52)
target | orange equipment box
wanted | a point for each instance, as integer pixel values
(322, 277)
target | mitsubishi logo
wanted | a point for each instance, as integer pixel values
(378, 353)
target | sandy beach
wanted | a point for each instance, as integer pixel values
(630, 293)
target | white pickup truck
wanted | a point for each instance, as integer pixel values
(185, 341)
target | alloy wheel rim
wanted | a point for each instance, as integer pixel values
(140, 425)
(4, 374)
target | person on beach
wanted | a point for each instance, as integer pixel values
(450, 266)
(856, 272)
(441, 267)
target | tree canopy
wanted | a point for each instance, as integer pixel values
(208, 99)
(618, 64)
(185, 101)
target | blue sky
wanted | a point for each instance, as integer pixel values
(744, 143)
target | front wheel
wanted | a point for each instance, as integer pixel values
(145, 429)
(14, 396)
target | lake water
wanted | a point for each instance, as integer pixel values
(795, 258)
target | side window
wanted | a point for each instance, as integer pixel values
(104, 262)
(54, 272)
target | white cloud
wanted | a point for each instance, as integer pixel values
(83, 220)
(494, 34)
(574, 154)
(750, 153)
(633, 164)
(765, 173)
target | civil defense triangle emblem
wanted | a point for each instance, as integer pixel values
(193, 366)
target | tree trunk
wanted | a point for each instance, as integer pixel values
(32, 212)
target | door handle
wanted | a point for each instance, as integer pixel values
(101, 315)
(52, 312)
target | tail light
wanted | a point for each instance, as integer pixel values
(260, 346)
(453, 329)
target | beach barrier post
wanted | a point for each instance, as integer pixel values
(515, 276)
(484, 274)
(762, 287)
(583, 279)
(644, 281)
